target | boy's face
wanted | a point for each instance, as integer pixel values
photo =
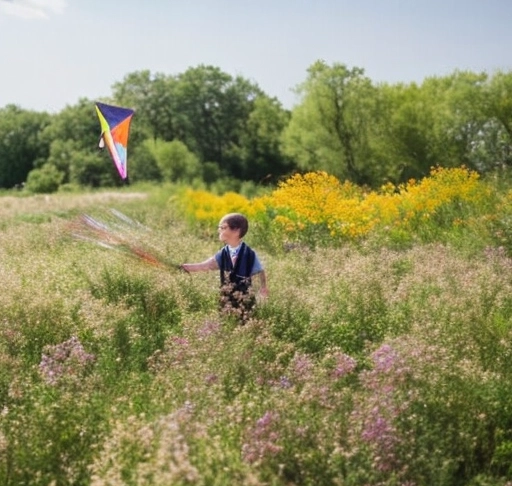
(228, 235)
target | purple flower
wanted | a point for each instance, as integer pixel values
(262, 439)
(344, 365)
(67, 359)
(384, 358)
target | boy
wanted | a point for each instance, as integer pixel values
(237, 263)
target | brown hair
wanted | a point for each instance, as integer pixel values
(237, 221)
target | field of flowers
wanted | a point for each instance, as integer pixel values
(317, 209)
(383, 355)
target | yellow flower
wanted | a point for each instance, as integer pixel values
(317, 200)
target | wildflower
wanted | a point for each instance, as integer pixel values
(63, 360)
(344, 365)
(262, 439)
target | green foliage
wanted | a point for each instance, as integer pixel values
(337, 126)
(262, 158)
(154, 99)
(70, 155)
(32, 326)
(47, 179)
(492, 148)
(211, 172)
(77, 123)
(368, 364)
(175, 162)
(21, 146)
(151, 317)
(367, 133)
(61, 155)
(219, 119)
(370, 134)
(499, 224)
(290, 321)
(92, 169)
(143, 165)
(50, 433)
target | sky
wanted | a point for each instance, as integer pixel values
(55, 52)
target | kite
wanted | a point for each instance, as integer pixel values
(115, 126)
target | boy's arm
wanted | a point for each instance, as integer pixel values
(263, 283)
(210, 264)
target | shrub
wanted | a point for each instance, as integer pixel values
(47, 179)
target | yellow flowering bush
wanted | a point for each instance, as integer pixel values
(419, 201)
(316, 207)
(207, 209)
(314, 202)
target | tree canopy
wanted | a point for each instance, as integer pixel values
(206, 124)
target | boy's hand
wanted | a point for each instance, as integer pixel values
(263, 293)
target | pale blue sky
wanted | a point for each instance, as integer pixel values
(54, 52)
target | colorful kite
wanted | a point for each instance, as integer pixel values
(115, 126)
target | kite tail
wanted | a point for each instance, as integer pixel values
(89, 229)
(147, 257)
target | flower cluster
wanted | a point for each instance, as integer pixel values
(379, 407)
(64, 360)
(207, 208)
(420, 200)
(262, 439)
(317, 205)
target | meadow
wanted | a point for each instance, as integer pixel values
(383, 355)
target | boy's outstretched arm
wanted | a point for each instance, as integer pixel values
(263, 283)
(210, 264)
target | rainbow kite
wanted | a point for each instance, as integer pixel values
(115, 126)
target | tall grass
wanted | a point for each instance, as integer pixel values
(383, 359)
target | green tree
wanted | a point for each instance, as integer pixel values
(456, 116)
(176, 162)
(328, 130)
(260, 141)
(154, 101)
(92, 169)
(212, 113)
(435, 123)
(78, 123)
(410, 116)
(215, 107)
(143, 165)
(493, 147)
(73, 135)
(45, 179)
(21, 144)
(61, 156)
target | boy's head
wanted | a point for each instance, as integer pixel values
(236, 221)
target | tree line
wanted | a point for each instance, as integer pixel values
(204, 125)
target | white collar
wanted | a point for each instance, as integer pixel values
(233, 250)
